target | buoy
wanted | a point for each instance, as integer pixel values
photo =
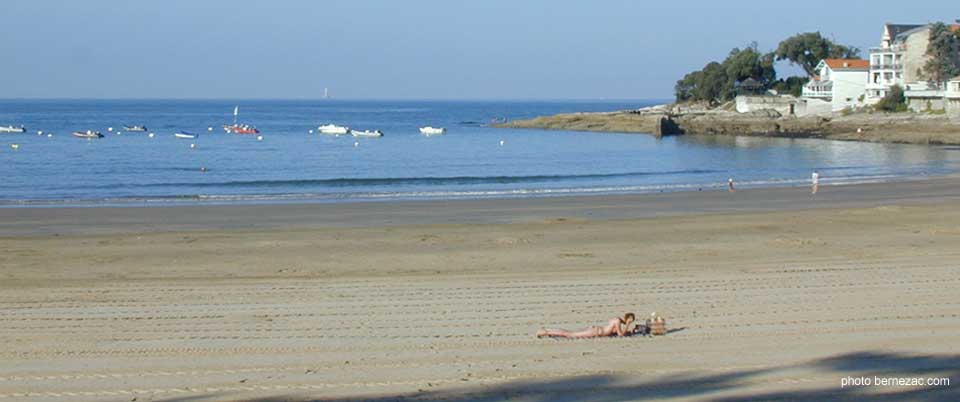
(502, 142)
(209, 128)
(150, 135)
(109, 128)
(192, 146)
(259, 138)
(311, 131)
(15, 146)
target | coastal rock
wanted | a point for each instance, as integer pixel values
(666, 126)
(700, 119)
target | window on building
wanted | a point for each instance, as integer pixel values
(887, 76)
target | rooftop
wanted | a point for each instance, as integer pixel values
(896, 29)
(847, 64)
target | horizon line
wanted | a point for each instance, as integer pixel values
(342, 99)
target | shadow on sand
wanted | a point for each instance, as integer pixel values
(604, 388)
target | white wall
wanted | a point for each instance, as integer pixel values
(814, 107)
(747, 104)
(848, 86)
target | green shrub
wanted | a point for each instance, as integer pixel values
(894, 101)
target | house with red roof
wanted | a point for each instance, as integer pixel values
(839, 82)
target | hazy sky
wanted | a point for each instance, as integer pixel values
(385, 49)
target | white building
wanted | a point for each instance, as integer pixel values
(841, 82)
(899, 59)
(952, 98)
(887, 61)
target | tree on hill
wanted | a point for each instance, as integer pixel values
(807, 49)
(944, 60)
(716, 82)
(791, 85)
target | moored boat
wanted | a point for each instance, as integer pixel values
(185, 135)
(237, 128)
(240, 129)
(366, 133)
(12, 129)
(432, 130)
(333, 129)
(134, 128)
(87, 134)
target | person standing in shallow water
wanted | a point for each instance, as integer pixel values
(730, 185)
(814, 182)
(615, 327)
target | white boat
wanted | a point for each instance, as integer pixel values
(333, 129)
(432, 130)
(366, 133)
(12, 129)
(134, 128)
(186, 135)
(87, 134)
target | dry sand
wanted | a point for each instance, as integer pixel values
(767, 303)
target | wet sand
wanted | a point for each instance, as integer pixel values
(770, 294)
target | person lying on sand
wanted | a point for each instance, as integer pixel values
(615, 327)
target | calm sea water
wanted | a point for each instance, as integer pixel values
(468, 162)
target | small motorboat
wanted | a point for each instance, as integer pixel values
(134, 128)
(185, 135)
(87, 134)
(432, 130)
(12, 129)
(366, 133)
(333, 129)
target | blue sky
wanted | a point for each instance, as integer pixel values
(392, 49)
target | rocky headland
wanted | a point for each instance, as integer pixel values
(677, 119)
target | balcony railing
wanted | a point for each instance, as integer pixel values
(817, 94)
(892, 49)
(886, 67)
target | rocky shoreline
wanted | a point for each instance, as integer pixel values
(663, 120)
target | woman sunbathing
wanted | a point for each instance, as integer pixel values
(616, 327)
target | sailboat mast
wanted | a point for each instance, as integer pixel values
(236, 110)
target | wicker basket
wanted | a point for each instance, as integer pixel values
(658, 326)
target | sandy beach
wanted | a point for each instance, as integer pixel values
(770, 294)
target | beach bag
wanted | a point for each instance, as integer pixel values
(657, 325)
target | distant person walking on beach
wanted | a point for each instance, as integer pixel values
(615, 327)
(814, 182)
(730, 185)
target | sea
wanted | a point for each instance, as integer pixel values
(290, 162)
